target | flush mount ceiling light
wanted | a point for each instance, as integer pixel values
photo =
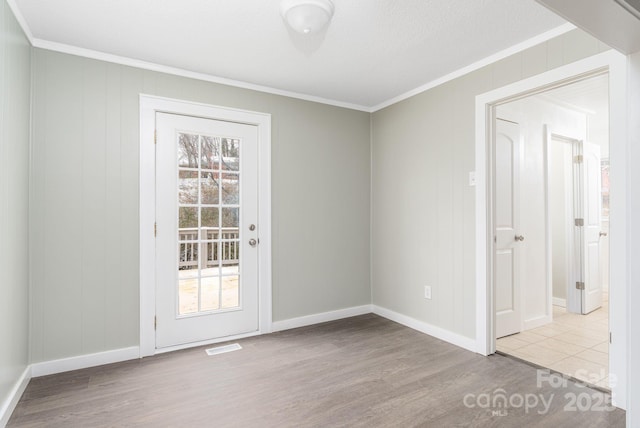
(307, 16)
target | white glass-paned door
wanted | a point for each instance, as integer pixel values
(206, 209)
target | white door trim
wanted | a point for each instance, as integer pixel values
(149, 105)
(616, 64)
(572, 301)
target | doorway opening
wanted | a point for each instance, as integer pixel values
(616, 65)
(551, 216)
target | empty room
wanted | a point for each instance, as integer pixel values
(314, 213)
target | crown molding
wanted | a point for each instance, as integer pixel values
(145, 65)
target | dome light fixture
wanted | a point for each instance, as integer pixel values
(307, 16)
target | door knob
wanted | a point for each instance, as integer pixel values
(252, 242)
(519, 238)
(603, 233)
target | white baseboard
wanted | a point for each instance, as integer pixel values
(431, 330)
(83, 361)
(321, 317)
(560, 302)
(537, 322)
(8, 405)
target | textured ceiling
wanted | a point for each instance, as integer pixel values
(372, 51)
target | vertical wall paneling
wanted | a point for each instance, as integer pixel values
(93, 205)
(113, 207)
(131, 84)
(63, 310)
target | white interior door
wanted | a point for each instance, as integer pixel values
(507, 236)
(590, 209)
(207, 231)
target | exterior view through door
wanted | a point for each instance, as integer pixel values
(207, 229)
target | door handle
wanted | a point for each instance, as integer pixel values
(603, 234)
(519, 238)
(252, 242)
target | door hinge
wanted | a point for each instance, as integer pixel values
(155, 229)
(610, 338)
(578, 159)
(155, 137)
(155, 323)
(579, 222)
(580, 285)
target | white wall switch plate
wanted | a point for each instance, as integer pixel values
(427, 292)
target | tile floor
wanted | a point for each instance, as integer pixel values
(577, 345)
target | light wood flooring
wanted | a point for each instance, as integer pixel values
(364, 371)
(573, 344)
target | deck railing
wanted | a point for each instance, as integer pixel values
(219, 246)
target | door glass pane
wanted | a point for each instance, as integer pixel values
(210, 152)
(230, 189)
(210, 293)
(188, 217)
(230, 291)
(210, 183)
(230, 150)
(208, 223)
(230, 217)
(187, 150)
(231, 252)
(188, 296)
(188, 263)
(188, 187)
(209, 254)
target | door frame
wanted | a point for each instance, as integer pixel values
(573, 297)
(149, 105)
(616, 65)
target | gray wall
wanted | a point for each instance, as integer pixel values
(423, 209)
(84, 206)
(15, 71)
